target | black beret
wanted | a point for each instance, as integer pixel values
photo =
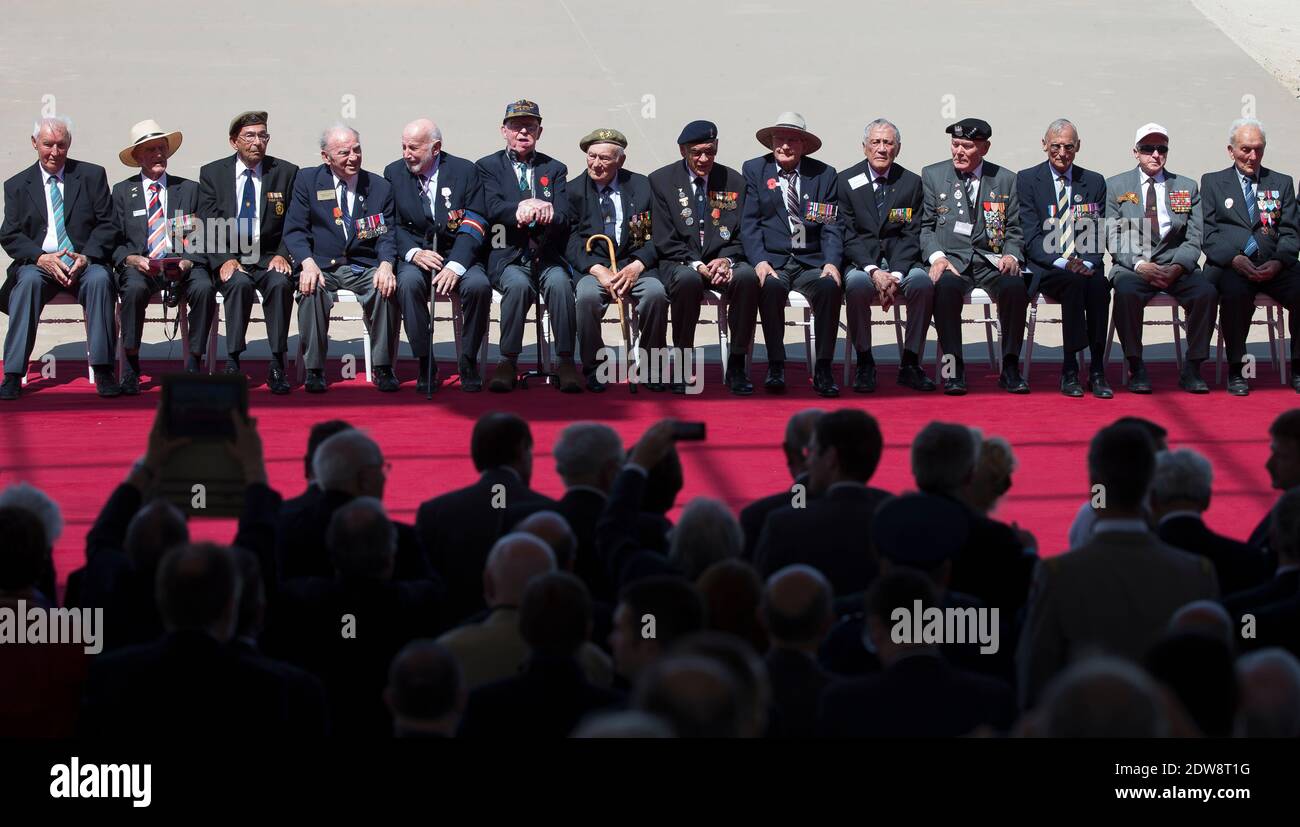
(972, 129)
(698, 132)
(920, 530)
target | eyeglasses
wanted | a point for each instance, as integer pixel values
(1063, 147)
(531, 129)
(1152, 149)
(701, 153)
(255, 137)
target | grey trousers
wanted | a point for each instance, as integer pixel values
(917, 296)
(1192, 291)
(33, 289)
(475, 293)
(591, 300)
(518, 292)
(382, 316)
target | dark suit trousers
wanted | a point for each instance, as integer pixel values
(519, 292)
(380, 315)
(1085, 305)
(824, 296)
(1237, 305)
(96, 291)
(238, 296)
(651, 306)
(686, 290)
(474, 292)
(136, 288)
(1007, 291)
(1192, 291)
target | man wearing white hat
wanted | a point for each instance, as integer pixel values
(152, 214)
(1153, 220)
(791, 232)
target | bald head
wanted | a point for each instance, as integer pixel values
(798, 432)
(426, 691)
(513, 562)
(551, 528)
(421, 143)
(796, 607)
(1205, 617)
(696, 695)
(154, 529)
(1270, 695)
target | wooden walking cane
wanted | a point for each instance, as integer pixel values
(622, 314)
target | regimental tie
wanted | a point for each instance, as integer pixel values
(881, 195)
(343, 208)
(425, 181)
(968, 187)
(1152, 214)
(1065, 218)
(60, 229)
(248, 207)
(1252, 210)
(699, 206)
(157, 243)
(792, 199)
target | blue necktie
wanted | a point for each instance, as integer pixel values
(1252, 210)
(248, 207)
(60, 228)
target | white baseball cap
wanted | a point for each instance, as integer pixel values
(1149, 129)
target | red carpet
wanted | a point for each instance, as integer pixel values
(77, 447)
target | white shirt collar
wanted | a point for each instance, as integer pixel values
(1132, 525)
(1159, 176)
(351, 182)
(873, 175)
(45, 176)
(1068, 175)
(240, 166)
(978, 172)
(147, 181)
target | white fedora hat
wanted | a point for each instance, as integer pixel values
(793, 122)
(142, 133)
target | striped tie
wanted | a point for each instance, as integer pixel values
(343, 209)
(157, 243)
(1252, 209)
(1065, 219)
(792, 199)
(60, 231)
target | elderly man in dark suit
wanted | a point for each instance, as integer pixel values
(796, 611)
(1251, 242)
(880, 202)
(611, 201)
(971, 237)
(58, 231)
(340, 231)
(251, 189)
(525, 195)
(793, 236)
(154, 214)
(440, 228)
(1061, 208)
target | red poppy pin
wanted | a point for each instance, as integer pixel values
(546, 182)
(337, 212)
(771, 183)
(717, 213)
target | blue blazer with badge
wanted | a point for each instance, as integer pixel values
(1228, 228)
(1036, 189)
(310, 230)
(457, 229)
(502, 196)
(765, 227)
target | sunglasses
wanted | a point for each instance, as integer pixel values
(1152, 149)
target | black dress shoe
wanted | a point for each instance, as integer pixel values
(106, 385)
(11, 388)
(276, 382)
(1070, 385)
(594, 385)
(566, 374)
(913, 376)
(737, 381)
(1190, 380)
(470, 381)
(824, 382)
(1138, 381)
(956, 386)
(1099, 387)
(232, 369)
(864, 379)
(775, 381)
(315, 381)
(1011, 380)
(130, 382)
(1238, 386)
(386, 381)
(504, 377)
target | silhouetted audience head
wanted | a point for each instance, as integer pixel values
(156, 528)
(629, 723)
(652, 614)
(697, 696)
(1182, 482)
(1206, 617)
(992, 475)
(732, 592)
(23, 553)
(551, 528)
(899, 588)
(555, 618)
(747, 670)
(943, 457)
(351, 462)
(663, 483)
(798, 433)
(320, 432)
(845, 447)
(920, 531)
(1122, 459)
(1269, 685)
(588, 453)
(426, 693)
(1157, 433)
(1284, 450)
(502, 440)
(706, 532)
(38, 503)
(252, 595)
(198, 589)
(1198, 669)
(361, 540)
(514, 561)
(1284, 530)
(797, 607)
(1103, 697)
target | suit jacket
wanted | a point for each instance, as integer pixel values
(548, 701)
(755, 514)
(581, 508)
(218, 199)
(458, 529)
(993, 565)
(891, 239)
(797, 684)
(131, 218)
(679, 243)
(1125, 211)
(765, 227)
(586, 220)
(840, 519)
(1227, 228)
(1281, 587)
(502, 196)
(920, 695)
(1278, 624)
(1237, 565)
(493, 649)
(310, 230)
(1116, 593)
(1036, 189)
(626, 536)
(942, 209)
(455, 236)
(87, 217)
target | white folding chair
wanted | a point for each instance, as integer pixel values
(64, 297)
(1034, 303)
(1161, 299)
(1277, 352)
(541, 320)
(978, 297)
(342, 297)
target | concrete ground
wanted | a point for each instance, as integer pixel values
(1109, 66)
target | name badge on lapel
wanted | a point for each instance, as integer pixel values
(325, 195)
